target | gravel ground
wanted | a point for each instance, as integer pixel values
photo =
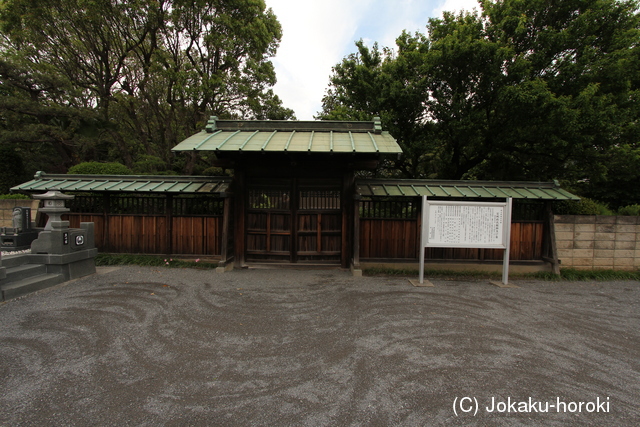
(178, 347)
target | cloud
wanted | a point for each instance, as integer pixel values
(317, 34)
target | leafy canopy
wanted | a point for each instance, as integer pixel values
(522, 90)
(121, 80)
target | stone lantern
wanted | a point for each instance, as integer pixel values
(57, 237)
(54, 206)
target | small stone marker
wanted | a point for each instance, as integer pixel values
(503, 285)
(425, 283)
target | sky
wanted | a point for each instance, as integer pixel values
(317, 34)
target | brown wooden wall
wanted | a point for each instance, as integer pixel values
(389, 229)
(399, 239)
(157, 224)
(138, 234)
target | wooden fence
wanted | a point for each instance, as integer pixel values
(390, 230)
(152, 225)
(195, 226)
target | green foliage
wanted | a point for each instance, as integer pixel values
(150, 261)
(164, 173)
(97, 168)
(523, 91)
(618, 185)
(216, 171)
(14, 197)
(566, 274)
(114, 81)
(584, 206)
(602, 275)
(434, 273)
(11, 170)
(148, 164)
(630, 210)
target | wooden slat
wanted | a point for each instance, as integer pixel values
(389, 239)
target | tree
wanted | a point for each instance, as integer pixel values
(531, 90)
(149, 71)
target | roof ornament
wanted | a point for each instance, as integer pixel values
(377, 125)
(211, 124)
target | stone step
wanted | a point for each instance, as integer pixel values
(28, 285)
(23, 272)
(9, 261)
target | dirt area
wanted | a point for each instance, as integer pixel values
(176, 347)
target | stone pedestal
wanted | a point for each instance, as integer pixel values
(64, 250)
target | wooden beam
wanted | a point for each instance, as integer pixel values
(224, 239)
(239, 232)
(550, 242)
(169, 217)
(347, 207)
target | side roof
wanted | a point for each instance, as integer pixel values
(291, 136)
(462, 189)
(172, 184)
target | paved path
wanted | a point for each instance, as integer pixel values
(177, 347)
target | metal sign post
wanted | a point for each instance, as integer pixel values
(466, 225)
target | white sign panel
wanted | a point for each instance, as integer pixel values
(464, 225)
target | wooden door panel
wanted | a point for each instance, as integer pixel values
(306, 227)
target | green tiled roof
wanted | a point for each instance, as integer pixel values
(126, 184)
(462, 189)
(292, 136)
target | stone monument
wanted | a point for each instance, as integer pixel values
(20, 235)
(67, 251)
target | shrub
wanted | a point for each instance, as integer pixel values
(14, 197)
(216, 171)
(148, 164)
(585, 206)
(97, 168)
(630, 210)
(166, 173)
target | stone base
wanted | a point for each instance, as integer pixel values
(425, 283)
(225, 268)
(18, 242)
(71, 266)
(356, 271)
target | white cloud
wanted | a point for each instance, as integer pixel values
(317, 34)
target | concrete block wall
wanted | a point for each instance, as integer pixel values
(598, 242)
(6, 210)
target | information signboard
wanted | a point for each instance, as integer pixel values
(461, 225)
(448, 224)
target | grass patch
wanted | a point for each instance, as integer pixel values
(599, 275)
(150, 261)
(442, 274)
(566, 274)
(572, 275)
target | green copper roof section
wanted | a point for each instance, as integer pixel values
(291, 136)
(126, 184)
(462, 189)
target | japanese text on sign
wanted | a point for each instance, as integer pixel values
(476, 226)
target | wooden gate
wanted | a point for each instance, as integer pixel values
(294, 220)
